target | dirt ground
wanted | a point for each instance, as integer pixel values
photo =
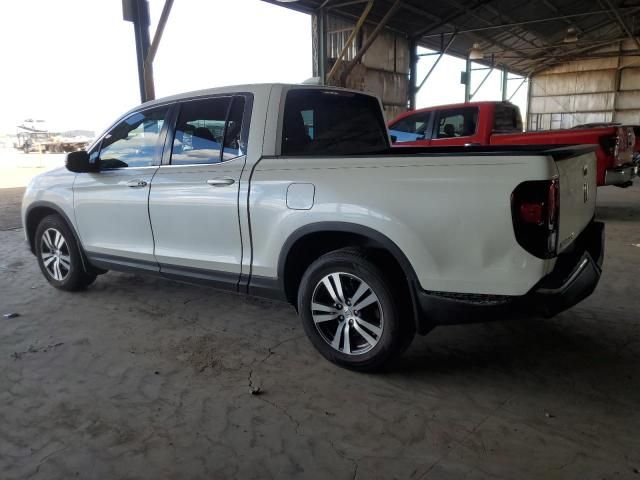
(143, 378)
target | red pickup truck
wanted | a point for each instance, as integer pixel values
(500, 123)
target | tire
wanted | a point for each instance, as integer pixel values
(366, 313)
(59, 255)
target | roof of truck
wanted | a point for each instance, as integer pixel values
(248, 88)
(251, 88)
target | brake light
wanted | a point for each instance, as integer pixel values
(531, 213)
(619, 147)
(535, 212)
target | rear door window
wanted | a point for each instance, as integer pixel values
(208, 131)
(459, 122)
(411, 128)
(329, 122)
(233, 134)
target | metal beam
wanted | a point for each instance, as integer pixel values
(432, 16)
(435, 64)
(372, 37)
(500, 17)
(601, 42)
(137, 12)
(516, 90)
(322, 46)
(558, 57)
(151, 54)
(343, 4)
(527, 22)
(162, 22)
(449, 19)
(505, 83)
(622, 23)
(562, 58)
(467, 85)
(554, 59)
(481, 84)
(347, 44)
(557, 11)
(413, 74)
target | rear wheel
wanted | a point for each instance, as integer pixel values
(349, 312)
(59, 255)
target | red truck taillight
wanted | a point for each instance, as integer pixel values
(535, 211)
(620, 147)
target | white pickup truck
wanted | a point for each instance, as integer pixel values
(293, 192)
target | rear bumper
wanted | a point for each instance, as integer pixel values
(574, 277)
(622, 175)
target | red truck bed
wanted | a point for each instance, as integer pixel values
(500, 123)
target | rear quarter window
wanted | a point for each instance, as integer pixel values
(329, 122)
(507, 119)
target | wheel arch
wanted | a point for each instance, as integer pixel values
(309, 242)
(41, 209)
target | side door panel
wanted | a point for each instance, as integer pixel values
(111, 206)
(112, 214)
(193, 202)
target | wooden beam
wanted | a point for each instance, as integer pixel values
(370, 40)
(349, 41)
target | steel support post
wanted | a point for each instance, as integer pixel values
(413, 74)
(467, 84)
(137, 11)
(505, 84)
(322, 46)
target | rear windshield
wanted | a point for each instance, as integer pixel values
(328, 122)
(507, 119)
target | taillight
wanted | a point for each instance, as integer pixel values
(619, 147)
(535, 211)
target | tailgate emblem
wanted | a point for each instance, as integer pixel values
(585, 184)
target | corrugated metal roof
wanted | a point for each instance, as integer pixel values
(526, 36)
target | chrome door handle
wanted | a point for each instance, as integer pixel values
(136, 184)
(220, 182)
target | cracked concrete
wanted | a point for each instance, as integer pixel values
(143, 378)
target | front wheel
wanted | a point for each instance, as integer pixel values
(59, 255)
(349, 312)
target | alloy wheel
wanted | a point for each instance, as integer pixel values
(347, 313)
(55, 255)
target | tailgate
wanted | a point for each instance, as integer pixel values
(577, 176)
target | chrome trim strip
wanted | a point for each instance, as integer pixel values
(202, 164)
(570, 280)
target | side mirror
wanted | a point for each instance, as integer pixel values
(79, 162)
(394, 139)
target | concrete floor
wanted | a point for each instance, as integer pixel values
(143, 378)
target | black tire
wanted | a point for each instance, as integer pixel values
(353, 266)
(71, 278)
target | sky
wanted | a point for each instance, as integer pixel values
(443, 85)
(73, 62)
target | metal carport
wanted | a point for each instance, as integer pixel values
(581, 57)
